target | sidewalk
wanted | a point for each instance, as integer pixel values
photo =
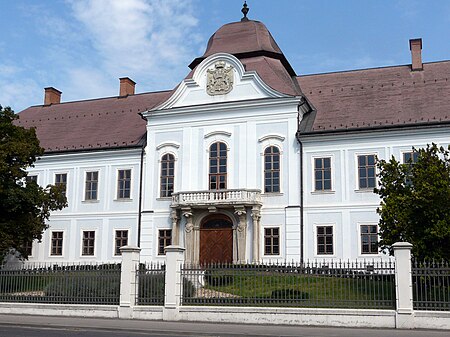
(201, 329)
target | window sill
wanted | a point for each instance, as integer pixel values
(164, 198)
(272, 194)
(124, 200)
(365, 190)
(96, 201)
(272, 256)
(323, 192)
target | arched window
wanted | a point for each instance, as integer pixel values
(271, 169)
(218, 166)
(167, 175)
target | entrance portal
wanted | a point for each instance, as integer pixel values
(216, 240)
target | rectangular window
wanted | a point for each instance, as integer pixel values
(272, 241)
(91, 186)
(28, 247)
(366, 171)
(121, 240)
(322, 174)
(410, 157)
(165, 239)
(369, 239)
(325, 240)
(124, 184)
(88, 243)
(31, 178)
(61, 179)
(57, 243)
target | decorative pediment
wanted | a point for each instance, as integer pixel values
(219, 78)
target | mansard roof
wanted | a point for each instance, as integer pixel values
(377, 98)
(106, 123)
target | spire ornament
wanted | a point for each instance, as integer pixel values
(244, 11)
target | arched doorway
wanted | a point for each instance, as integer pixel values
(216, 239)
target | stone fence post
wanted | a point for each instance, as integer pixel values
(172, 296)
(403, 285)
(128, 280)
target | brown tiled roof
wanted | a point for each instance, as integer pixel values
(105, 123)
(380, 97)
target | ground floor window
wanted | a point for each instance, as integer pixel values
(272, 241)
(325, 240)
(88, 243)
(165, 239)
(121, 240)
(57, 243)
(369, 239)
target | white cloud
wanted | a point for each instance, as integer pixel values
(136, 37)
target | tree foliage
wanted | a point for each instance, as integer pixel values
(415, 202)
(24, 207)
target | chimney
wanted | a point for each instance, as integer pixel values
(126, 86)
(415, 45)
(52, 96)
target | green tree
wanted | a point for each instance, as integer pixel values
(415, 202)
(24, 207)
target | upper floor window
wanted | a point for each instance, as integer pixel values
(322, 174)
(167, 175)
(366, 171)
(91, 186)
(31, 178)
(124, 184)
(271, 169)
(218, 166)
(61, 180)
(410, 157)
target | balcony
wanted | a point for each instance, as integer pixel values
(204, 199)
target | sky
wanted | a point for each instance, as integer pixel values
(83, 47)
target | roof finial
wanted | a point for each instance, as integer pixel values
(245, 11)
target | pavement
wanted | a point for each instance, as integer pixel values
(49, 326)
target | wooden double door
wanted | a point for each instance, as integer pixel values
(216, 240)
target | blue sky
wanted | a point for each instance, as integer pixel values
(82, 47)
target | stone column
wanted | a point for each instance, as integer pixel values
(256, 216)
(128, 280)
(241, 233)
(403, 285)
(172, 291)
(189, 235)
(175, 227)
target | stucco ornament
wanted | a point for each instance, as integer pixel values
(219, 80)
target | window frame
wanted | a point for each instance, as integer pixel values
(161, 161)
(62, 243)
(118, 198)
(86, 186)
(313, 173)
(164, 238)
(264, 171)
(218, 159)
(116, 251)
(94, 248)
(271, 237)
(65, 192)
(316, 240)
(412, 153)
(360, 241)
(358, 178)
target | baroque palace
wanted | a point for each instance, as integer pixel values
(243, 161)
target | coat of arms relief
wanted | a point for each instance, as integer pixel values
(219, 79)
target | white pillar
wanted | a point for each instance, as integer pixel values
(128, 280)
(173, 280)
(403, 285)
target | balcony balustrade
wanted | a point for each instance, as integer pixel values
(244, 197)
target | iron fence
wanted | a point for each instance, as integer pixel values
(431, 285)
(362, 284)
(60, 283)
(150, 284)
